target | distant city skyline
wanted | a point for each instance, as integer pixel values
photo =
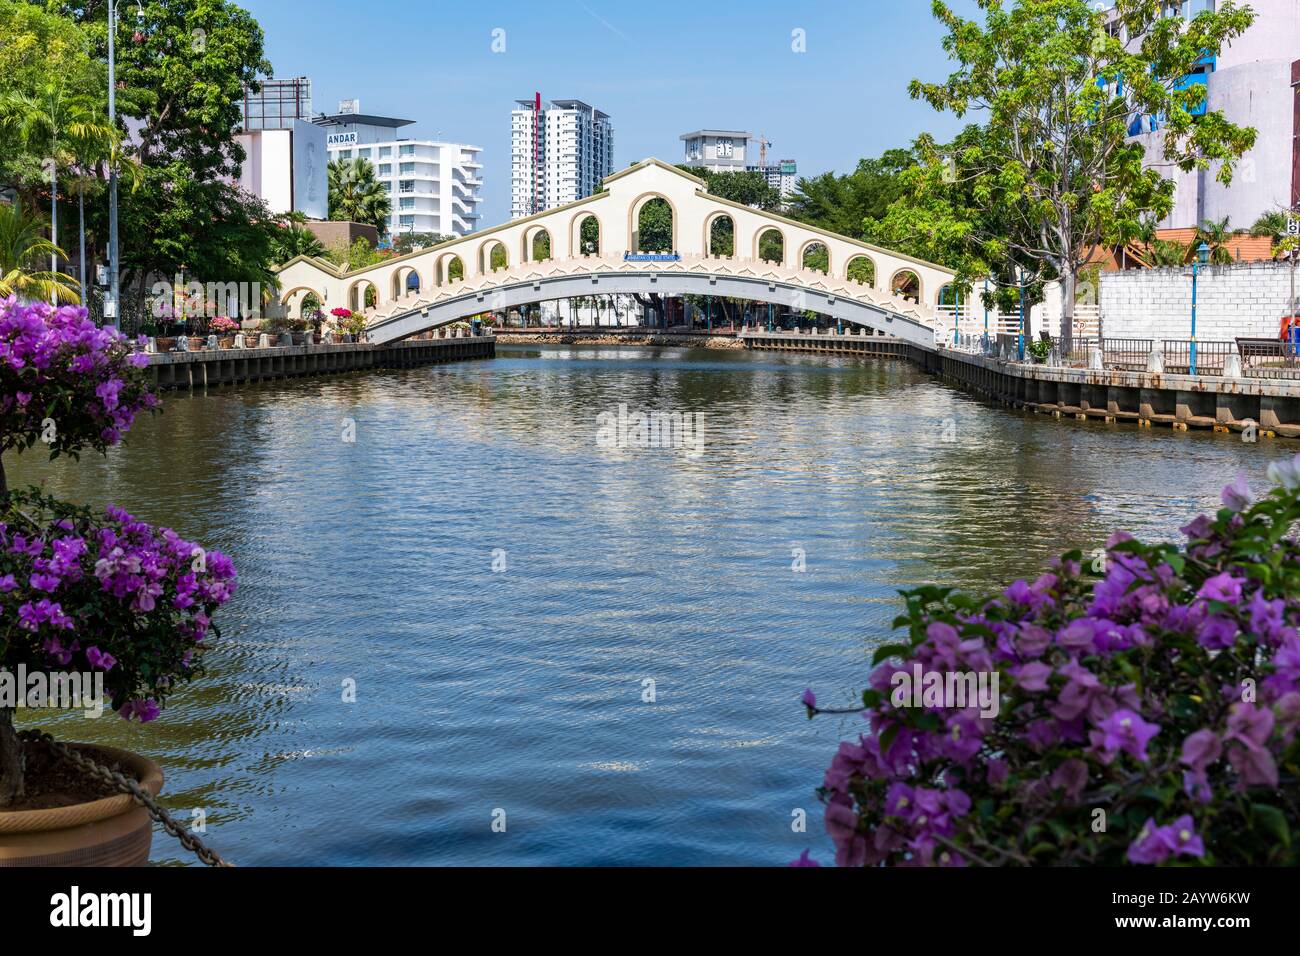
(656, 70)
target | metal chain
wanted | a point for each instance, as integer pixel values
(125, 784)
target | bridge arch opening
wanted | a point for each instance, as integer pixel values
(492, 255)
(362, 295)
(537, 244)
(720, 235)
(586, 234)
(815, 256)
(652, 225)
(403, 282)
(307, 300)
(861, 268)
(907, 284)
(769, 245)
(448, 269)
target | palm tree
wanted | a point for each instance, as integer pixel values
(1271, 224)
(1167, 252)
(293, 241)
(1216, 234)
(355, 194)
(23, 247)
(69, 125)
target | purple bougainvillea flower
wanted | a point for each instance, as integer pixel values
(1201, 749)
(1223, 587)
(809, 699)
(142, 710)
(1126, 732)
(804, 860)
(1236, 496)
(100, 660)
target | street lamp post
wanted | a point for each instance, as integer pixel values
(113, 247)
(1202, 257)
(986, 312)
(1020, 335)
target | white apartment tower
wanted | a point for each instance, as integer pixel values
(433, 185)
(560, 152)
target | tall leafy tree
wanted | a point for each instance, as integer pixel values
(748, 188)
(1059, 90)
(843, 203)
(182, 67)
(64, 122)
(355, 195)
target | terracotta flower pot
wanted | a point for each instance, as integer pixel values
(226, 342)
(165, 344)
(112, 831)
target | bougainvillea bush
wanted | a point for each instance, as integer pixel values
(1148, 709)
(82, 591)
(64, 381)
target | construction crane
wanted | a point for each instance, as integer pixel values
(763, 144)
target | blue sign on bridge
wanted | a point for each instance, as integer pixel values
(651, 257)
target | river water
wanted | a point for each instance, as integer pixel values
(625, 690)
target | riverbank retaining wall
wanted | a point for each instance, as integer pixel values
(1255, 407)
(210, 367)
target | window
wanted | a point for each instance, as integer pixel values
(385, 152)
(385, 169)
(407, 204)
(408, 169)
(408, 150)
(406, 222)
(406, 186)
(345, 154)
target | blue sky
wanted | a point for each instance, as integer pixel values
(658, 68)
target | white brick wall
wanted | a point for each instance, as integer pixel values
(1247, 299)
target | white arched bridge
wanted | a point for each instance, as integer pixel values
(508, 266)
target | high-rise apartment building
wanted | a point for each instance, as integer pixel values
(560, 152)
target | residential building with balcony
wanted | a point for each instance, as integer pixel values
(434, 185)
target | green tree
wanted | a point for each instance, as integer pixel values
(408, 242)
(63, 123)
(1165, 253)
(747, 188)
(1271, 224)
(24, 255)
(655, 227)
(356, 256)
(182, 68)
(293, 241)
(842, 204)
(355, 195)
(1060, 91)
(1216, 234)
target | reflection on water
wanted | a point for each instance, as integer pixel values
(523, 691)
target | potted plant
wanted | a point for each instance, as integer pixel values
(224, 328)
(96, 594)
(354, 327)
(340, 315)
(1039, 350)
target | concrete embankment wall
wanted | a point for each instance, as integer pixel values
(669, 339)
(212, 367)
(1267, 407)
